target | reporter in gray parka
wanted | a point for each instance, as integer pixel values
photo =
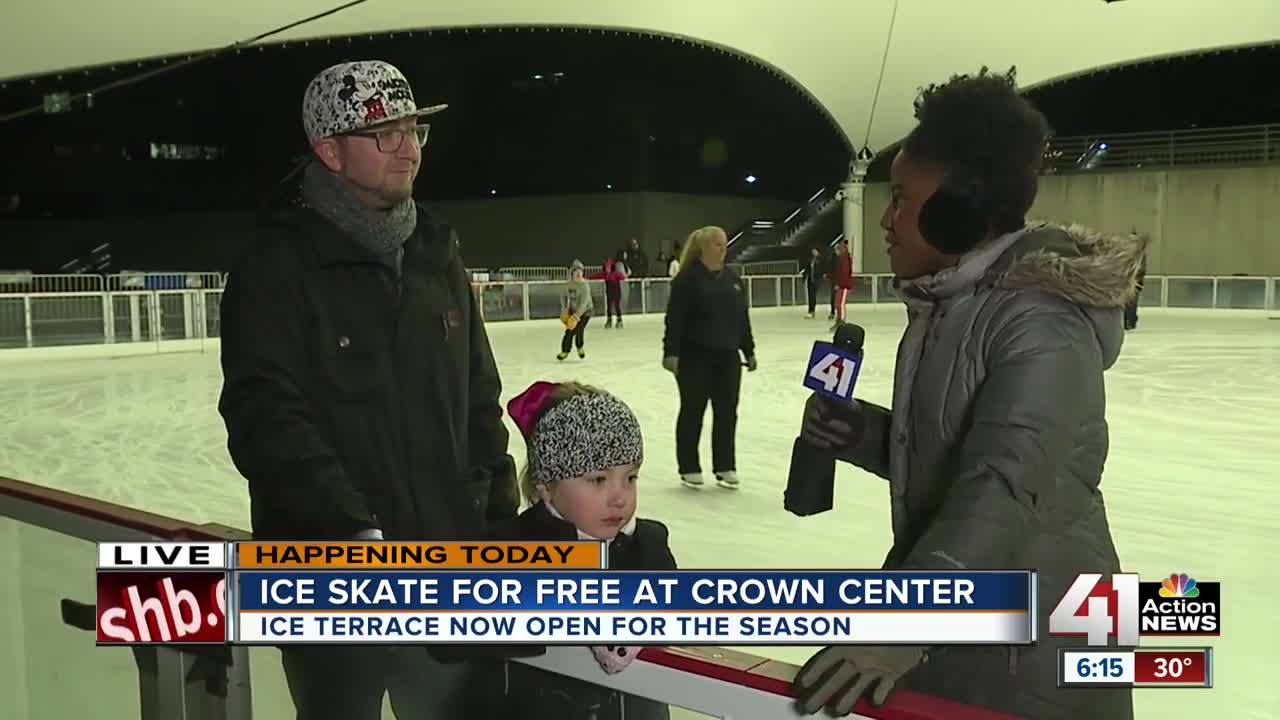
(996, 440)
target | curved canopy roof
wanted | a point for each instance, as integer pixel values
(832, 49)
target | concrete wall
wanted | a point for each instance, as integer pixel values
(545, 230)
(1202, 221)
(539, 230)
(875, 200)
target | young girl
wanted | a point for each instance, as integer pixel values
(584, 454)
(575, 311)
(613, 277)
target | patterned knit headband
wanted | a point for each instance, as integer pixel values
(581, 434)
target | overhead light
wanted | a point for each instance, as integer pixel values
(537, 77)
(608, 187)
(751, 178)
(493, 192)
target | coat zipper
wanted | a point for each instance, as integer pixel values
(406, 461)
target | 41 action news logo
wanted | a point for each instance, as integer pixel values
(1125, 608)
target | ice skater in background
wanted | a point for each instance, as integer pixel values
(810, 272)
(613, 278)
(584, 455)
(1131, 307)
(625, 271)
(707, 326)
(575, 311)
(841, 279)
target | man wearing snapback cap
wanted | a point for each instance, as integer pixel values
(360, 393)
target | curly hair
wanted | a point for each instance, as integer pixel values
(979, 126)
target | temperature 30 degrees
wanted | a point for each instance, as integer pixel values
(1185, 667)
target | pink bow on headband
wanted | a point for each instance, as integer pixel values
(524, 408)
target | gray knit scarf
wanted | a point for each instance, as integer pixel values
(382, 232)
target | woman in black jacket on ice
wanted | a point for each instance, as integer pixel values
(707, 326)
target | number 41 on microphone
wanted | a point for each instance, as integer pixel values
(832, 370)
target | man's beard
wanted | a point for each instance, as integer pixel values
(386, 194)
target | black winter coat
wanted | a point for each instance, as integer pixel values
(707, 312)
(813, 270)
(645, 549)
(357, 399)
(536, 694)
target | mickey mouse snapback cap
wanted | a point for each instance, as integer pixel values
(356, 95)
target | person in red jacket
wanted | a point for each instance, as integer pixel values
(613, 278)
(841, 278)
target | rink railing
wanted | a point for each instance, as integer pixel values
(217, 682)
(158, 308)
(561, 274)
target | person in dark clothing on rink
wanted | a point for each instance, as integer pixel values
(1131, 307)
(811, 272)
(707, 326)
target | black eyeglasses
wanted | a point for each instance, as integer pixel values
(392, 139)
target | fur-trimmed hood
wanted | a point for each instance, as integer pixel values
(1087, 267)
(1096, 272)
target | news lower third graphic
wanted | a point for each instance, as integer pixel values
(543, 593)
(574, 607)
(407, 555)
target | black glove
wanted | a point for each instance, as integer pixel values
(837, 676)
(832, 425)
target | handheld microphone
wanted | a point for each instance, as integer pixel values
(832, 371)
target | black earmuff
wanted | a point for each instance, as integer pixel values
(954, 219)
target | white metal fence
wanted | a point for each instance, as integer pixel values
(59, 310)
(561, 274)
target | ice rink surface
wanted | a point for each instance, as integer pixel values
(1194, 407)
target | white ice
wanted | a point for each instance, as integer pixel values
(1194, 407)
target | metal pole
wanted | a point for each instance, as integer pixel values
(853, 192)
(26, 319)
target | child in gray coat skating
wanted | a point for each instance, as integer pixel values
(575, 311)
